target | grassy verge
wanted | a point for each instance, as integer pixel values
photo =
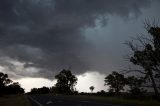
(118, 100)
(14, 100)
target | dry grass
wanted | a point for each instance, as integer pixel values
(134, 102)
(119, 101)
(14, 100)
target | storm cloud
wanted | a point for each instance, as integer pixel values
(45, 36)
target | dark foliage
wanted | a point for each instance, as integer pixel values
(135, 85)
(7, 86)
(101, 93)
(148, 56)
(65, 82)
(43, 90)
(116, 82)
(91, 88)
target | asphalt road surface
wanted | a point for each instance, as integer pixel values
(50, 100)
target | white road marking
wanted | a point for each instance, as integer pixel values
(35, 101)
(49, 102)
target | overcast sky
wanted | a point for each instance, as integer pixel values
(39, 38)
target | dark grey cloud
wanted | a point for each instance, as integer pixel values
(48, 34)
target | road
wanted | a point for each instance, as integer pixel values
(50, 100)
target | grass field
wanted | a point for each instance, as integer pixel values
(118, 100)
(14, 100)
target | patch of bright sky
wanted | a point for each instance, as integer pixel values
(84, 82)
(91, 79)
(29, 83)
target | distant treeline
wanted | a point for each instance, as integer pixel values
(115, 81)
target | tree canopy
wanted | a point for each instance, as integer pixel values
(7, 86)
(42, 90)
(147, 55)
(91, 88)
(66, 82)
(116, 81)
(135, 85)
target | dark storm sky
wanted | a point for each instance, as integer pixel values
(39, 38)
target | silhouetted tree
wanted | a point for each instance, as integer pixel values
(66, 82)
(147, 55)
(91, 88)
(7, 86)
(4, 81)
(15, 88)
(42, 90)
(102, 92)
(34, 91)
(54, 90)
(115, 81)
(135, 85)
